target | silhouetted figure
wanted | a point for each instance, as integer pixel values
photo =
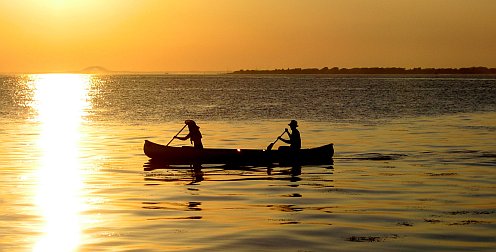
(294, 137)
(194, 134)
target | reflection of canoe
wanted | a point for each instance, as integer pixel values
(189, 155)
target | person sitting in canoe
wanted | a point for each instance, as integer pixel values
(294, 137)
(194, 134)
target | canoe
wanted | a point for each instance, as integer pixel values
(283, 155)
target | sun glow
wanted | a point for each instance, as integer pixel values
(60, 101)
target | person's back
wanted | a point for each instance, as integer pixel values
(295, 139)
(195, 136)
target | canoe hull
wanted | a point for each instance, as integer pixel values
(190, 155)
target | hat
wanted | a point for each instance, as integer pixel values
(188, 122)
(293, 122)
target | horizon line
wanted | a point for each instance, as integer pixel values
(102, 70)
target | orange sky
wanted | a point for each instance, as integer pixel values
(228, 35)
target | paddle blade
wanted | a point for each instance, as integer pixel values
(272, 144)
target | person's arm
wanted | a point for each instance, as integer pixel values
(288, 141)
(184, 137)
(284, 140)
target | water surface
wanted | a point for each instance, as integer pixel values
(414, 167)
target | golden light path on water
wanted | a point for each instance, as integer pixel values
(60, 101)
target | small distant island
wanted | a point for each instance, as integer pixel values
(95, 70)
(373, 70)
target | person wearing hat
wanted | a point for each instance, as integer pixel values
(194, 134)
(294, 137)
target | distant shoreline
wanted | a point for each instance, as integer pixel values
(373, 70)
(325, 70)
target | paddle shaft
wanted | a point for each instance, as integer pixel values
(176, 135)
(277, 139)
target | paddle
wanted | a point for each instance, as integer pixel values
(176, 135)
(272, 144)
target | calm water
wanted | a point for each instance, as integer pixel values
(414, 169)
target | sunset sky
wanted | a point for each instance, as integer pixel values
(227, 35)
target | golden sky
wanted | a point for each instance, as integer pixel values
(228, 35)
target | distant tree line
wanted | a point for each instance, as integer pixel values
(373, 70)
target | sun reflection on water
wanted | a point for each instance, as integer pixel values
(60, 101)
